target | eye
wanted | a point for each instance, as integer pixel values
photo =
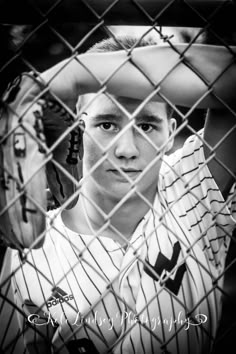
(109, 127)
(146, 127)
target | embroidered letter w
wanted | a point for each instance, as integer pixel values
(164, 264)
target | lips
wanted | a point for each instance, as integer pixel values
(131, 172)
(126, 169)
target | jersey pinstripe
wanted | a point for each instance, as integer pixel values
(161, 295)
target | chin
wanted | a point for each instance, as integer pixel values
(117, 193)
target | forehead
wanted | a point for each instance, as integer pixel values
(102, 104)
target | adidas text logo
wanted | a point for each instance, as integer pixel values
(58, 297)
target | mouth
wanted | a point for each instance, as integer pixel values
(131, 172)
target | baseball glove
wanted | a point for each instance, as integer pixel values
(34, 155)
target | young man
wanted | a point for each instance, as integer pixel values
(136, 266)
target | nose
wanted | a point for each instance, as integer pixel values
(126, 145)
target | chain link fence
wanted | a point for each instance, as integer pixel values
(165, 286)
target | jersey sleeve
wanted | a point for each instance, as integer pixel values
(36, 325)
(190, 189)
(10, 333)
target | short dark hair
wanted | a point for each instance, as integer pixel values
(127, 42)
(120, 42)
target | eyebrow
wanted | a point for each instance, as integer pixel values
(149, 118)
(110, 117)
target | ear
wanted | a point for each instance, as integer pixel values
(172, 124)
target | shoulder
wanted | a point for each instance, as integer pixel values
(181, 168)
(186, 178)
(31, 257)
(187, 183)
(190, 154)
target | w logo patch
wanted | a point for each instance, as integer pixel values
(163, 264)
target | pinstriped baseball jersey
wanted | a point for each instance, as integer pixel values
(87, 294)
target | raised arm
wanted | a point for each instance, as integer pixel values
(174, 70)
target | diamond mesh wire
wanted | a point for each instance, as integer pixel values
(80, 272)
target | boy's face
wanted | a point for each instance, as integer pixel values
(111, 141)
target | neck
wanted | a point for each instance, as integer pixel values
(103, 216)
